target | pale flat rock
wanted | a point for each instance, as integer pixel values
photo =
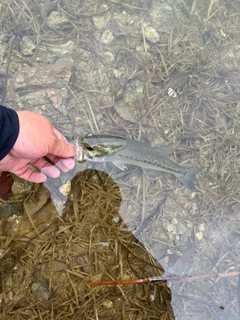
(151, 34)
(53, 75)
(27, 46)
(57, 21)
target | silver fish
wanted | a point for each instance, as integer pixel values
(121, 151)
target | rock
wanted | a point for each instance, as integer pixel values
(3, 48)
(201, 227)
(64, 49)
(108, 57)
(27, 46)
(58, 98)
(130, 109)
(107, 37)
(108, 304)
(50, 53)
(125, 112)
(40, 290)
(21, 186)
(8, 210)
(65, 189)
(41, 220)
(54, 75)
(151, 34)
(57, 21)
(34, 99)
(11, 225)
(100, 21)
(199, 236)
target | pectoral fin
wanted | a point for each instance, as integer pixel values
(120, 165)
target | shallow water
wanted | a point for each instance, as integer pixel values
(157, 72)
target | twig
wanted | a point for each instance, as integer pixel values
(161, 279)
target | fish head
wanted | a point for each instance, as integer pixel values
(95, 147)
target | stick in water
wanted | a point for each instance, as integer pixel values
(161, 279)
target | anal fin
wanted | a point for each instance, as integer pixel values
(151, 174)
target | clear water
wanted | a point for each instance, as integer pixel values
(158, 72)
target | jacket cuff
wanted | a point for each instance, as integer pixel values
(9, 130)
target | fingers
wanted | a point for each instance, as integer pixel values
(60, 147)
(64, 164)
(50, 171)
(46, 169)
(31, 176)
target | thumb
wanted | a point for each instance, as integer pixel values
(62, 149)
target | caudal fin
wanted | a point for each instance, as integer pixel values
(189, 179)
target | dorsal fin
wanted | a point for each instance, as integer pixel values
(164, 149)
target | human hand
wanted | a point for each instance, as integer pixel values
(38, 138)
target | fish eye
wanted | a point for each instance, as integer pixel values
(90, 148)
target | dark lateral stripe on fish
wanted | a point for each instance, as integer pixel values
(156, 164)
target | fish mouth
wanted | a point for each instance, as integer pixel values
(93, 146)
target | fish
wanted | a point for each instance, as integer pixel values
(123, 151)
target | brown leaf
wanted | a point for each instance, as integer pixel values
(6, 183)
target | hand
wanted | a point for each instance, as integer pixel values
(38, 138)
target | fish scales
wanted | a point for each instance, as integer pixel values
(139, 154)
(129, 151)
(163, 162)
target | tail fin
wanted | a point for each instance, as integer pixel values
(189, 179)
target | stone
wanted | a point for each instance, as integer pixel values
(21, 186)
(27, 46)
(151, 34)
(54, 75)
(40, 290)
(107, 37)
(57, 20)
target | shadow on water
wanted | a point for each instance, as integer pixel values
(90, 243)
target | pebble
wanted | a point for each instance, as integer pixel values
(40, 290)
(100, 22)
(27, 46)
(151, 34)
(8, 210)
(62, 50)
(199, 236)
(108, 57)
(108, 304)
(65, 189)
(171, 228)
(56, 20)
(151, 297)
(107, 37)
(21, 186)
(201, 227)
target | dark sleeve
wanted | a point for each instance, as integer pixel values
(9, 129)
